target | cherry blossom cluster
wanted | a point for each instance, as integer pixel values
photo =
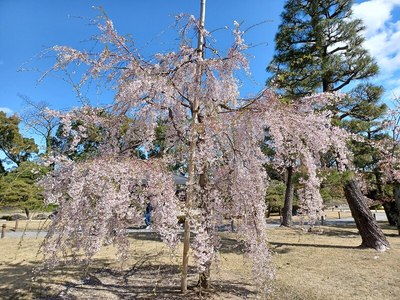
(300, 133)
(100, 198)
(390, 148)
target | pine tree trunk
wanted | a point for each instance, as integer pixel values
(396, 193)
(27, 213)
(391, 212)
(268, 211)
(379, 184)
(391, 209)
(288, 205)
(372, 236)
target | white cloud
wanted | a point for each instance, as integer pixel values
(374, 13)
(6, 110)
(394, 93)
(382, 36)
(385, 47)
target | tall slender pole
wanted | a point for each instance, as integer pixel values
(200, 41)
(192, 152)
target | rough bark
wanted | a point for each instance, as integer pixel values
(396, 193)
(27, 212)
(379, 183)
(185, 263)
(371, 235)
(389, 207)
(288, 204)
(391, 212)
(204, 278)
(268, 211)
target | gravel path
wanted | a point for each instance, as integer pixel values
(379, 216)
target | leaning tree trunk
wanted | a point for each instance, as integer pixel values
(288, 205)
(372, 236)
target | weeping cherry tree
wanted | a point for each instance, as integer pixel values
(208, 128)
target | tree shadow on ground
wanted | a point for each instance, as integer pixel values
(228, 243)
(20, 280)
(280, 248)
(349, 231)
(281, 244)
(15, 280)
(337, 232)
(145, 279)
(393, 235)
(157, 281)
(145, 236)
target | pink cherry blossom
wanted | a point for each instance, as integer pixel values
(198, 100)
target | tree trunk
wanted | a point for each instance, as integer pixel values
(288, 205)
(27, 213)
(204, 278)
(391, 212)
(48, 142)
(379, 184)
(268, 211)
(396, 193)
(372, 236)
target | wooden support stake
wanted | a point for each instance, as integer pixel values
(16, 225)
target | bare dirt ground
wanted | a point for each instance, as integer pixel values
(324, 264)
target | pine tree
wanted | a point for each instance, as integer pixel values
(13, 145)
(362, 114)
(18, 189)
(319, 49)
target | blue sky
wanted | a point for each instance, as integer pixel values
(27, 27)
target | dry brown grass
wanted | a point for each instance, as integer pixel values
(320, 265)
(152, 272)
(327, 265)
(329, 214)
